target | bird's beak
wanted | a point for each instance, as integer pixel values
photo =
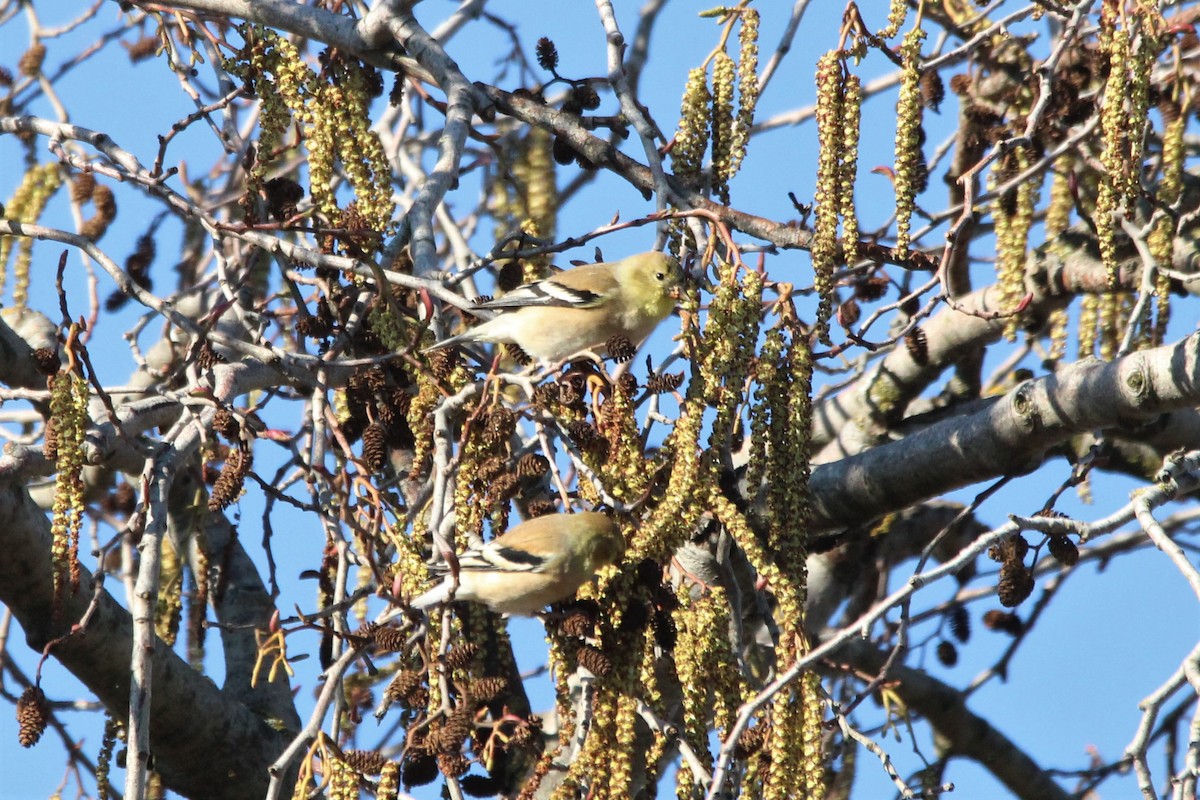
(676, 292)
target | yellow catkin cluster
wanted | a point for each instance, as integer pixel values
(605, 766)
(26, 204)
(420, 410)
(1113, 321)
(707, 672)
(691, 140)
(343, 780)
(409, 562)
(1115, 43)
(785, 374)
(536, 170)
(827, 204)
(897, 13)
(852, 98)
(395, 331)
(470, 490)
(564, 709)
(1089, 316)
(691, 143)
(1131, 50)
(198, 602)
(1058, 219)
(787, 497)
(727, 350)
(668, 525)
(723, 116)
(671, 521)
(169, 606)
(530, 200)
(389, 782)
(1012, 213)
(747, 69)
(649, 673)
(1060, 203)
(724, 77)
(623, 469)
(68, 415)
(333, 109)
(908, 142)
(1162, 236)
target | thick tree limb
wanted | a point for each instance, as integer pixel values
(190, 716)
(1007, 436)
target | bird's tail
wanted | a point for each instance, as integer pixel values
(432, 597)
(462, 338)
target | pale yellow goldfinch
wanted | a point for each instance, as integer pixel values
(539, 562)
(582, 308)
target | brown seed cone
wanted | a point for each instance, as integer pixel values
(33, 714)
(226, 424)
(207, 358)
(455, 730)
(389, 638)
(46, 360)
(490, 468)
(517, 354)
(577, 623)
(918, 346)
(229, 482)
(500, 425)
(485, 690)
(947, 653)
(661, 384)
(547, 54)
(374, 447)
(460, 657)
(511, 275)
(849, 313)
(1003, 621)
(871, 289)
(366, 762)
(627, 384)
(419, 769)
(443, 362)
(540, 508)
(82, 186)
(30, 63)
(453, 765)
(1016, 583)
(583, 433)
(50, 440)
(406, 683)
(1011, 548)
(620, 349)
(532, 465)
(933, 91)
(503, 488)
(594, 660)
(1064, 550)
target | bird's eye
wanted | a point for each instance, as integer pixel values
(662, 276)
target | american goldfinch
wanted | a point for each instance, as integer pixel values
(539, 562)
(582, 308)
